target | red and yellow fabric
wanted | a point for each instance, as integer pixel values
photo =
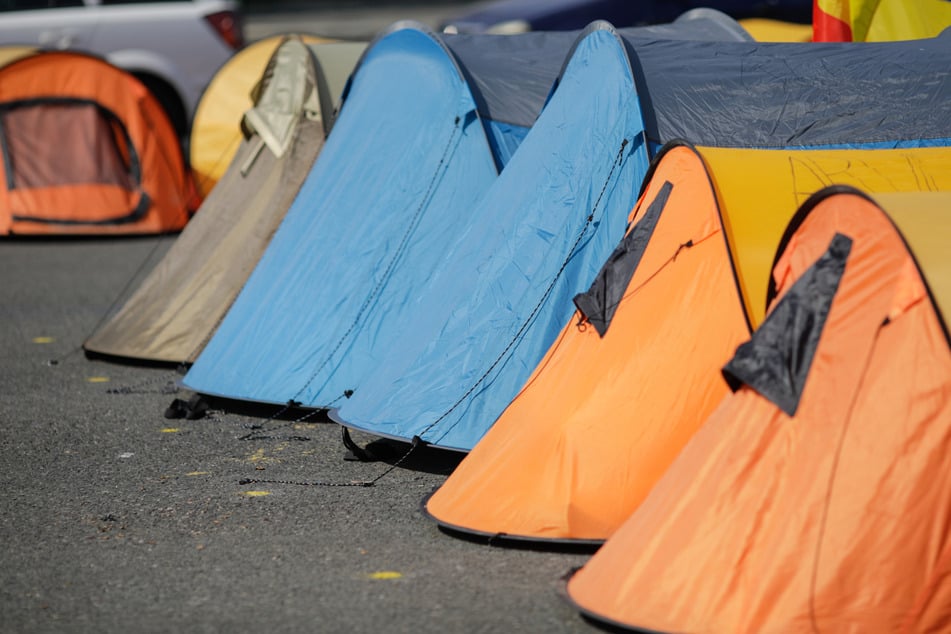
(878, 20)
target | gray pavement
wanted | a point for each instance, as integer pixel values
(116, 519)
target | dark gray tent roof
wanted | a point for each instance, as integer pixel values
(511, 76)
(772, 95)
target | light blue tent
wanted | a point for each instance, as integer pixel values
(393, 190)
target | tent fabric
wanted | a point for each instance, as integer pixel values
(602, 417)
(216, 127)
(532, 61)
(878, 20)
(833, 519)
(511, 76)
(176, 308)
(598, 304)
(11, 53)
(600, 420)
(406, 160)
(767, 30)
(776, 360)
(538, 236)
(790, 178)
(781, 94)
(85, 149)
(698, 81)
(925, 224)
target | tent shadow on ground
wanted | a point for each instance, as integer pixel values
(512, 542)
(423, 458)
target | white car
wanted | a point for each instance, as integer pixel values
(174, 48)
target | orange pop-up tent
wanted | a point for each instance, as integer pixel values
(817, 498)
(636, 373)
(85, 149)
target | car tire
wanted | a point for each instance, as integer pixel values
(169, 100)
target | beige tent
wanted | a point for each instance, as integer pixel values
(176, 309)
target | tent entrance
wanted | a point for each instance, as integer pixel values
(64, 156)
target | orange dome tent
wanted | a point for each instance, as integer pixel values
(85, 149)
(627, 384)
(818, 496)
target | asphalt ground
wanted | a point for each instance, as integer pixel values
(118, 519)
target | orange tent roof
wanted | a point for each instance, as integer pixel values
(816, 497)
(85, 149)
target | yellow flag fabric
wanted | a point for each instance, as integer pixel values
(879, 20)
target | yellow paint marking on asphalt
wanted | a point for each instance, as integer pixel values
(256, 494)
(98, 379)
(43, 340)
(386, 574)
(192, 474)
(170, 430)
(259, 457)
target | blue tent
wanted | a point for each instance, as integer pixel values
(394, 186)
(407, 147)
(476, 329)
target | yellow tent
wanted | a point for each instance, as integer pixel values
(216, 127)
